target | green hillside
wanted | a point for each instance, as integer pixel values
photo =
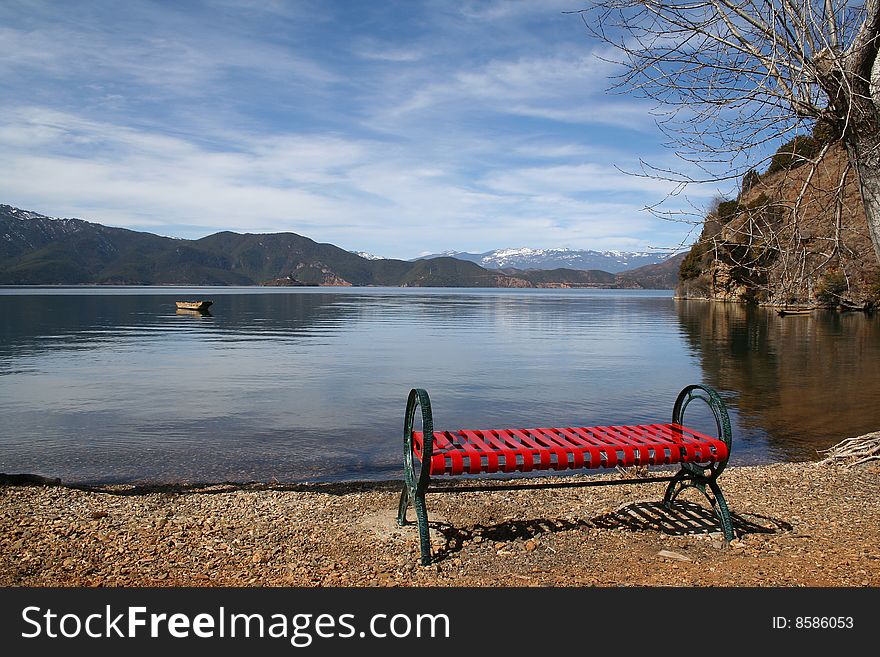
(40, 250)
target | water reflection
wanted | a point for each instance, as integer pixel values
(194, 313)
(800, 383)
(37, 323)
(310, 384)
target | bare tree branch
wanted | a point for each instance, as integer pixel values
(734, 78)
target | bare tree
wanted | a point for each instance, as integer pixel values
(736, 75)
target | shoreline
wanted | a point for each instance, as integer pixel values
(797, 524)
(785, 309)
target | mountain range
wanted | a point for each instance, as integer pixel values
(39, 250)
(527, 258)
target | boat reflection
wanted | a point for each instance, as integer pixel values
(194, 313)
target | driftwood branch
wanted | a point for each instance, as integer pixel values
(853, 451)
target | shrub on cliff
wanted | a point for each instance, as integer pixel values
(832, 286)
(794, 153)
(692, 265)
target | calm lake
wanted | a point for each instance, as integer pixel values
(105, 385)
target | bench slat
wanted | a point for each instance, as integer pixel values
(502, 441)
(682, 447)
(604, 457)
(599, 436)
(546, 448)
(662, 449)
(630, 439)
(476, 455)
(543, 455)
(572, 449)
(697, 448)
(547, 443)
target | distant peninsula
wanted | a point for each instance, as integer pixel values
(39, 250)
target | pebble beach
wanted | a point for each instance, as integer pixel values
(797, 524)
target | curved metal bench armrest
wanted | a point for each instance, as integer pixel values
(418, 398)
(719, 411)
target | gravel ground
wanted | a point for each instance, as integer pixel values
(797, 524)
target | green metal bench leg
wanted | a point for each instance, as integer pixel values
(416, 484)
(685, 479)
(402, 507)
(693, 475)
(722, 511)
(421, 509)
(672, 490)
(424, 536)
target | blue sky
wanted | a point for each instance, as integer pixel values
(397, 128)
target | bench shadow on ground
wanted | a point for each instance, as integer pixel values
(682, 519)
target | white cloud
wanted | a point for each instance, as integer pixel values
(569, 80)
(427, 128)
(372, 49)
(566, 87)
(493, 10)
(572, 179)
(180, 58)
(361, 194)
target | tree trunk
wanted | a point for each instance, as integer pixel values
(864, 154)
(862, 136)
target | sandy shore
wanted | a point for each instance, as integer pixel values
(798, 524)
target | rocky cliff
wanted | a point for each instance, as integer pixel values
(777, 246)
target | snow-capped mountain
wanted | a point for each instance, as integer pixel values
(527, 258)
(368, 256)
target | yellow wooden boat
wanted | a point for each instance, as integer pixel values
(794, 311)
(193, 305)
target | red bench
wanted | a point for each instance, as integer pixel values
(429, 453)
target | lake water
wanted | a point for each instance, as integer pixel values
(104, 385)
